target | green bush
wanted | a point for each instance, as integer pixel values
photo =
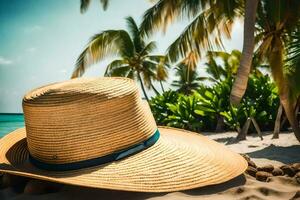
(261, 102)
(213, 101)
(201, 110)
(159, 107)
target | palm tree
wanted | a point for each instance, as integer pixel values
(228, 67)
(211, 19)
(277, 24)
(187, 74)
(134, 59)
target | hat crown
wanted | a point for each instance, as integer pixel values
(82, 119)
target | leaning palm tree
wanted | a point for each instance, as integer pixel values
(277, 23)
(134, 58)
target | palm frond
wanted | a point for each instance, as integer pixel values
(135, 33)
(151, 46)
(104, 4)
(161, 65)
(187, 79)
(293, 48)
(123, 71)
(203, 33)
(80, 66)
(292, 62)
(84, 4)
(107, 43)
(148, 72)
(160, 15)
(113, 65)
(157, 58)
(161, 73)
(164, 12)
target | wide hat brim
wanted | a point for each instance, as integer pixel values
(179, 160)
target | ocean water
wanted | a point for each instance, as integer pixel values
(10, 122)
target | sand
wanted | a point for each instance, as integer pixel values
(280, 151)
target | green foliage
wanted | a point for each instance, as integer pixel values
(261, 102)
(177, 110)
(159, 105)
(188, 80)
(200, 110)
(185, 113)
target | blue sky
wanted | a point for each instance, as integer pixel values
(41, 39)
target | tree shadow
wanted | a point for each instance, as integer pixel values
(285, 155)
(227, 140)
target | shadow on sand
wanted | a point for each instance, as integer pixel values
(285, 155)
(82, 193)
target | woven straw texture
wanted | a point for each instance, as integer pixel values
(88, 118)
(85, 118)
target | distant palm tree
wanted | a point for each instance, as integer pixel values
(187, 74)
(135, 60)
(220, 71)
(228, 66)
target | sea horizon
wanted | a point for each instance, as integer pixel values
(10, 122)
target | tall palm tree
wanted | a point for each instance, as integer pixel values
(134, 58)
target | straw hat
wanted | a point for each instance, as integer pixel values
(99, 133)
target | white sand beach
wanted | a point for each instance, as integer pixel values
(280, 151)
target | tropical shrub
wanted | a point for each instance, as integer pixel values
(209, 106)
(213, 101)
(160, 108)
(260, 101)
(185, 114)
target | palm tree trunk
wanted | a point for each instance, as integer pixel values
(220, 124)
(142, 86)
(277, 123)
(242, 134)
(154, 89)
(255, 124)
(240, 83)
(289, 108)
(162, 87)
